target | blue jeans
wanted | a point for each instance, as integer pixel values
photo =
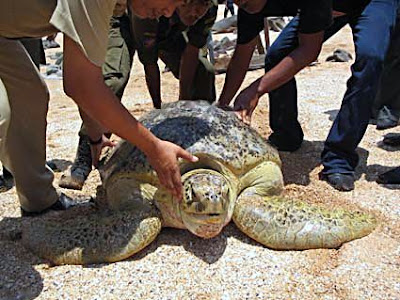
(389, 90)
(371, 34)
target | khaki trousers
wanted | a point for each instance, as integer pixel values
(23, 109)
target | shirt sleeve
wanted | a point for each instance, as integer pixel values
(145, 34)
(198, 33)
(87, 23)
(315, 16)
(249, 26)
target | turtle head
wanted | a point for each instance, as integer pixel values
(208, 202)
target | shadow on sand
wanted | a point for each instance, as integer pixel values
(297, 166)
(18, 279)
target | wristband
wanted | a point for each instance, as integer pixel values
(91, 142)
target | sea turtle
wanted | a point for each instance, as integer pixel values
(237, 177)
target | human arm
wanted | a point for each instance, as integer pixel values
(188, 67)
(307, 51)
(266, 34)
(236, 71)
(94, 129)
(145, 35)
(84, 83)
(197, 36)
(152, 73)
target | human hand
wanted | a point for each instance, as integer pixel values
(163, 158)
(245, 103)
(225, 107)
(97, 146)
(336, 13)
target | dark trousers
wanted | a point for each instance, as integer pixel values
(34, 46)
(229, 7)
(389, 88)
(371, 34)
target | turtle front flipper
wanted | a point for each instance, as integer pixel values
(74, 237)
(280, 223)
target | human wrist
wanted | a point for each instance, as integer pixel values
(150, 145)
(94, 133)
(97, 141)
(222, 102)
(223, 107)
(184, 94)
(260, 88)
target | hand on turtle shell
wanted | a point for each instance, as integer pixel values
(246, 102)
(163, 159)
(97, 146)
(225, 107)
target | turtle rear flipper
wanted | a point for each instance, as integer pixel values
(280, 223)
(79, 238)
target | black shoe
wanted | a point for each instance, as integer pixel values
(341, 182)
(390, 177)
(3, 185)
(387, 118)
(63, 203)
(6, 181)
(7, 174)
(283, 146)
(52, 166)
(392, 139)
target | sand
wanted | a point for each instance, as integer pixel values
(179, 265)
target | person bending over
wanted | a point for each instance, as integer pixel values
(297, 46)
(23, 127)
(182, 48)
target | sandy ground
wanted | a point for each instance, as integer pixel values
(231, 266)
